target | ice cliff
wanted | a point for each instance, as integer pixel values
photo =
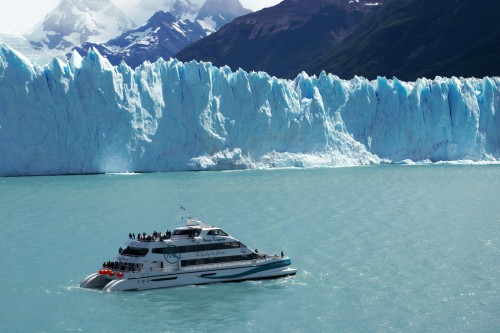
(87, 116)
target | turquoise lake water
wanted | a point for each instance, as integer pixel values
(378, 249)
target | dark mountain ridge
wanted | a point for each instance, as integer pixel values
(281, 39)
(403, 38)
(420, 38)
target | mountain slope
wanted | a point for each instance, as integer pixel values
(211, 14)
(181, 9)
(421, 38)
(74, 22)
(163, 36)
(281, 39)
(216, 13)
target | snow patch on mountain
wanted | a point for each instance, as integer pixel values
(208, 24)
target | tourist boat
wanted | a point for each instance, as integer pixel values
(191, 255)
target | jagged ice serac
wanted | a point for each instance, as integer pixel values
(87, 116)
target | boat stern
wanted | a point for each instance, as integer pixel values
(94, 281)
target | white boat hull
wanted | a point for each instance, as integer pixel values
(164, 279)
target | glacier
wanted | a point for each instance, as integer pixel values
(87, 116)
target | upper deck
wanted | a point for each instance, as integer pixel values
(196, 236)
(194, 228)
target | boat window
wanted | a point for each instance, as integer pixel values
(135, 251)
(197, 248)
(189, 232)
(216, 260)
(217, 232)
(188, 248)
(167, 250)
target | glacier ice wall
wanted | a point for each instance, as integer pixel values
(438, 120)
(86, 116)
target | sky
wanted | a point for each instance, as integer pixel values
(20, 16)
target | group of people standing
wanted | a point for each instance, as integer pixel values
(123, 266)
(156, 236)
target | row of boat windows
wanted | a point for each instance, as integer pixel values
(134, 251)
(198, 248)
(216, 260)
(142, 252)
(197, 231)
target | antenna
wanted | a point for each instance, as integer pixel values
(184, 210)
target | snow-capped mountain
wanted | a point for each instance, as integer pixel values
(165, 35)
(181, 9)
(100, 23)
(211, 14)
(86, 116)
(74, 22)
(216, 13)
(162, 36)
